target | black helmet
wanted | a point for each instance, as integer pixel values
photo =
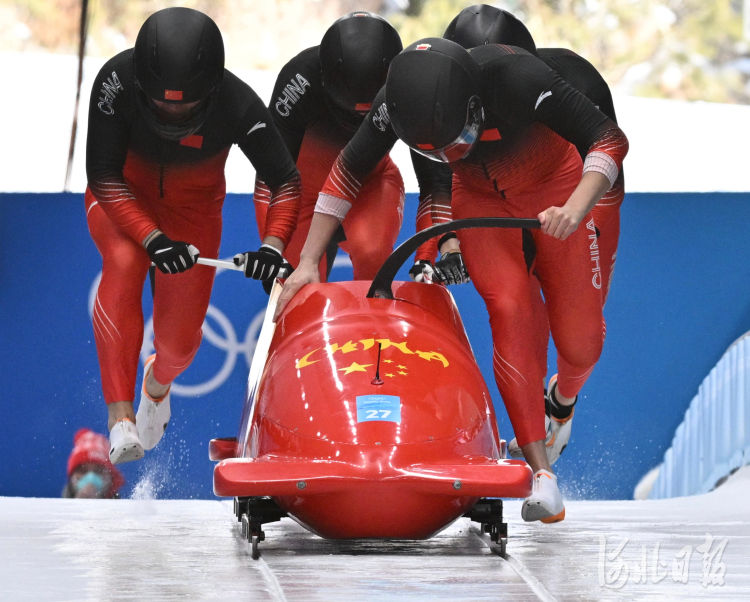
(354, 56)
(432, 95)
(178, 58)
(483, 24)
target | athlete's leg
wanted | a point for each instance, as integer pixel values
(374, 221)
(181, 300)
(496, 262)
(314, 162)
(569, 273)
(117, 311)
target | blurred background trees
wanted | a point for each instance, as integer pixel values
(681, 49)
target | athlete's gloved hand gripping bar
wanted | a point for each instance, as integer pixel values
(264, 264)
(237, 263)
(229, 264)
(451, 269)
(174, 256)
(171, 256)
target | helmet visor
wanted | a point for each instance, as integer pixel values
(462, 145)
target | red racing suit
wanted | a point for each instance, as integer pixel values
(526, 161)
(139, 181)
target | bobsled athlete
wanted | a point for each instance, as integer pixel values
(162, 119)
(483, 24)
(320, 98)
(508, 126)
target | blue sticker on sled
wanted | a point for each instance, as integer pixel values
(378, 407)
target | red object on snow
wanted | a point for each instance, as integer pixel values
(92, 448)
(372, 419)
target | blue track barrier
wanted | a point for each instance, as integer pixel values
(680, 296)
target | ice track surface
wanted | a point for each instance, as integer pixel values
(691, 547)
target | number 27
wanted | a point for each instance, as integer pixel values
(375, 414)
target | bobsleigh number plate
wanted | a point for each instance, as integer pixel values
(378, 407)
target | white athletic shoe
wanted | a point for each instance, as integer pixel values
(124, 444)
(545, 502)
(153, 415)
(558, 429)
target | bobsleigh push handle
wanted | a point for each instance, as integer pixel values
(228, 264)
(381, 284)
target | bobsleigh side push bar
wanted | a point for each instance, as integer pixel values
(227, 264)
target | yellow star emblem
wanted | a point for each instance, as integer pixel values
(355, 367)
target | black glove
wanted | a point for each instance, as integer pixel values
(451, 269)
(263, 264)
(171, 256)
(421, 271)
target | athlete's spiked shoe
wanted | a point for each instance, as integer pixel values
(124, 443)
(545, 502)
(153, 414)
(558, 429)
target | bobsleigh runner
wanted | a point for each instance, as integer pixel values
(367, 416)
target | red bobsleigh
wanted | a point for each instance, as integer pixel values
(369, 417)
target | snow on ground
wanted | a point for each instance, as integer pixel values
(674, 146)
(686, 548)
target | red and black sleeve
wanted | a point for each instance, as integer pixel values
(371, 142)
(262, 143)
(526, 87)
(434, 180)
(111, 113)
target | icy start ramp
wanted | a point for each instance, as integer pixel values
(690, 547)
